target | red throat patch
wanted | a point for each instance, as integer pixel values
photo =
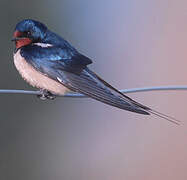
(23, 42)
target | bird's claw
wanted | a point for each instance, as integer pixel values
(46, 95)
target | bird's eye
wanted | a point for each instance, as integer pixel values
(28, 33)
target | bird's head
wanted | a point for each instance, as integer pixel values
(28, 31)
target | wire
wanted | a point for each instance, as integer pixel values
(77, 95)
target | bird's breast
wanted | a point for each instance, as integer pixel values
(36, 78)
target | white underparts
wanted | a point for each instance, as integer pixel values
(36, 78)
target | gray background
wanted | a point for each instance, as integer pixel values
(133, 44)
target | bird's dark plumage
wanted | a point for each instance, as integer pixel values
(52, 56)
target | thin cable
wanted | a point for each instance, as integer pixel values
(77, 95)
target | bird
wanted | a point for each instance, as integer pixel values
(50, 63)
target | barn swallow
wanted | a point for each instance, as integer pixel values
(47, 61)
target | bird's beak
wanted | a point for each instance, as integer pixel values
(13, 39)
(17, 38)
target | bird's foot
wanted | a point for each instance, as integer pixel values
(46, 95)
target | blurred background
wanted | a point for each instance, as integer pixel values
(133, 44)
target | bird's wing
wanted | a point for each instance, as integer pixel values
(70, 69)
(92, 85)
(86, 83)
(73, 73)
